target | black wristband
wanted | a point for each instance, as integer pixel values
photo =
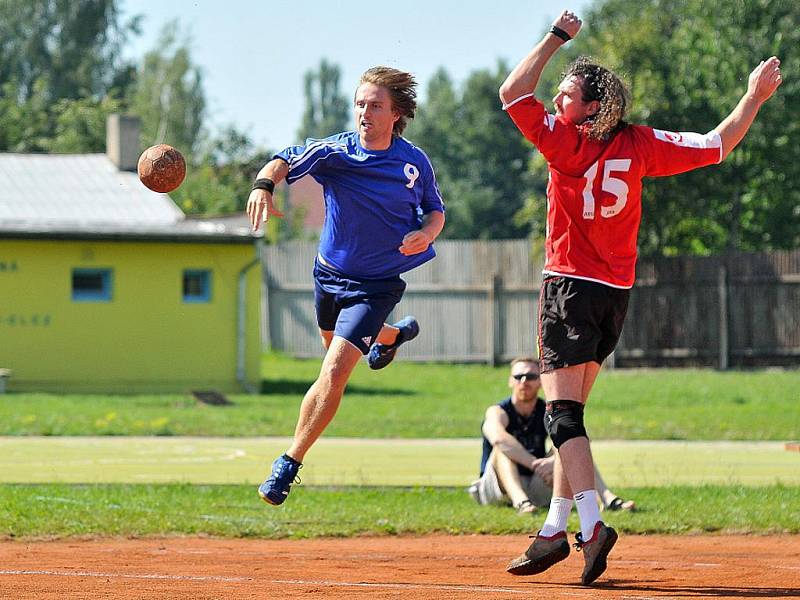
(264, 184)
(558, 32)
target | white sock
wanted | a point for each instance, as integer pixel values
(557, 516)
(588, 512)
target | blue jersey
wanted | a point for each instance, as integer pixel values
(373, 198)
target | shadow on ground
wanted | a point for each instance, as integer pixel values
(294, 386)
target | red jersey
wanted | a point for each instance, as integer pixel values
(594, 191)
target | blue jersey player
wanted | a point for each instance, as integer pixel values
(382, 212)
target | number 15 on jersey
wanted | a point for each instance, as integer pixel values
(613, 185)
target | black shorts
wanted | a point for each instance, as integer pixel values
(579, 321)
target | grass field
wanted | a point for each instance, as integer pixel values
(103, 478)
(433, 401)
(225, 510)
(352, 462)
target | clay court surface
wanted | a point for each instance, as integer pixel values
(640, 567)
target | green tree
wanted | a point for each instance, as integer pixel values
(479, 159)
(205, 192)
(169, 98)
(73, 46)
(750, 201)
(62, 75)
(80, 125)
(168, 94)
(436, 128)
(61, 68)
(327, 110)
(219, 181)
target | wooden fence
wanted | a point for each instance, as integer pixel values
(733, 310)
(477, 302)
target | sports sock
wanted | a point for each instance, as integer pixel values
(557, 516)
(588, 512)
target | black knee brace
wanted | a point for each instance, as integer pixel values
(564, 421)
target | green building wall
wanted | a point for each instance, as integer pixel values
(146, 338)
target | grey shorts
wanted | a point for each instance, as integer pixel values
(487, 490)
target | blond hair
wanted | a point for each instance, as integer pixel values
(402, 88)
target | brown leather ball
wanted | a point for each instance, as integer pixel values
(161, 168)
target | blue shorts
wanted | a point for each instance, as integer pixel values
(354, 309)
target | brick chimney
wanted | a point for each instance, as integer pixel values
(122, 141)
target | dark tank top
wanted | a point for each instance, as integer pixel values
(529, 431)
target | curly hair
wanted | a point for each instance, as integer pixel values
(402, 89)
(598, 83)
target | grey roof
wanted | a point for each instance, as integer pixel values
(85, 195)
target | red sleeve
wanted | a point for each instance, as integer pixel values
(555, 137)
(669, 153)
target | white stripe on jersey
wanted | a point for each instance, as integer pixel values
(513, 102)
(294, 175)
(689, 139)
(311, 149)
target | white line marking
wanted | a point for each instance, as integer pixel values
(405, 586)
(298, 582)
(664, 563)
(127, 576)
(302, 582)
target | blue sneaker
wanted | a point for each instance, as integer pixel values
(380, 355)
(276, 487)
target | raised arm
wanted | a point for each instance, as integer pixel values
(763, 82)
(523, 79)
(259, 203)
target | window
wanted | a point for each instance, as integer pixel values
(91, 285)
(197, 286)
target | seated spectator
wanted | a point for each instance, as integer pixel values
(515, 466)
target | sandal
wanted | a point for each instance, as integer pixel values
(620, 504)
(525, 507)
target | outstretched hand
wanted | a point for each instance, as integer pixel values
(765, 79)
(260, 207)
(569, 22)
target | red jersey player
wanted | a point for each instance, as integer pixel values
(596, 164)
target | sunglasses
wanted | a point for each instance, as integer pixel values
(526, 376)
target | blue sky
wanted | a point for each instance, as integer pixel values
(253, 54)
